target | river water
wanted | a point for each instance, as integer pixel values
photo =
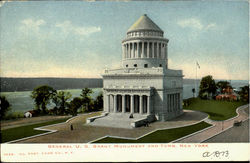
(21, 101)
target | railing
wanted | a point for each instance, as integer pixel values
(135, 71)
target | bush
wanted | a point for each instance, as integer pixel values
(187, 102)
(13, 115)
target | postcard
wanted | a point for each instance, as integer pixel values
(125, 81)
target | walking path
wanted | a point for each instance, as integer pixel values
(236, 134)
(6, 124)
(86, 133)
(218, 127)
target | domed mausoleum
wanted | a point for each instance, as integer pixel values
(143, 86)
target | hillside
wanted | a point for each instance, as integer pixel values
(28, 84)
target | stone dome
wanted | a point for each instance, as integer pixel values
(144, 23)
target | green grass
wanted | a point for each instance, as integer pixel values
(217, 110)
(160, 136)
(25, 131)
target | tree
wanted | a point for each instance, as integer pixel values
(86, 98)
(244, 93)
(193, 90)
(207, 87)
(4, 106)
(98, 103)
(61, 100)
(74, 105)
(223, 85)
(42, 96)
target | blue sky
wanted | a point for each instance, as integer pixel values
(80, 39)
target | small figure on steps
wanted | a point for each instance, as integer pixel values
(131, 116)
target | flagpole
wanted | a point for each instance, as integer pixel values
(196, 80)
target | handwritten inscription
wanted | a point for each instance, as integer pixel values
(216, 154)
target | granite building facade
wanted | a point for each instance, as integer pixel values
(144, 84)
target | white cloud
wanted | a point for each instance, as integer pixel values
(219, 68)
(29, 25)
(210, 26)
(195, 24)
(32, 23)
(67, 27)
(192, 23)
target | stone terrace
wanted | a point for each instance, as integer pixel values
(86, 133)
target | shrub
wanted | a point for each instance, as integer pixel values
(13, 115)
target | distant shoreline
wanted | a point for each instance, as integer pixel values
(12, 84)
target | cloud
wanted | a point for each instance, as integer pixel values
(92, 65)
(219, 67)
(210, 26)
(67, 27)
(195, 24)
(29, 25)
(192, 23)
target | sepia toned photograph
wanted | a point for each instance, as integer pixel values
(124, 80)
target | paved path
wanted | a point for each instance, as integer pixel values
(219, 126)
(236, 134)
(5, 124)
(86, 133)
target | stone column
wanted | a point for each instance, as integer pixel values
(108, 103)
(137, 48)
(115, 103)
(157, 50)
(129, 51)
(170, 102)
(148, 105)
(163, 51)
(132, 108)
(140, 108)
(133, 50)
(123, 103)
(142, 53)
(147, 49)
(126, 51)
(153, 50)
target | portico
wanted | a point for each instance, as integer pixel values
(129, 101)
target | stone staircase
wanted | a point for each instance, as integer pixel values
(118, 120)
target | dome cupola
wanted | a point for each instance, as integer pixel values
(144, 45)
(144, 26)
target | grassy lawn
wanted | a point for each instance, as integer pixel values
(160, 136)
(217, 110)
(25, 131)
